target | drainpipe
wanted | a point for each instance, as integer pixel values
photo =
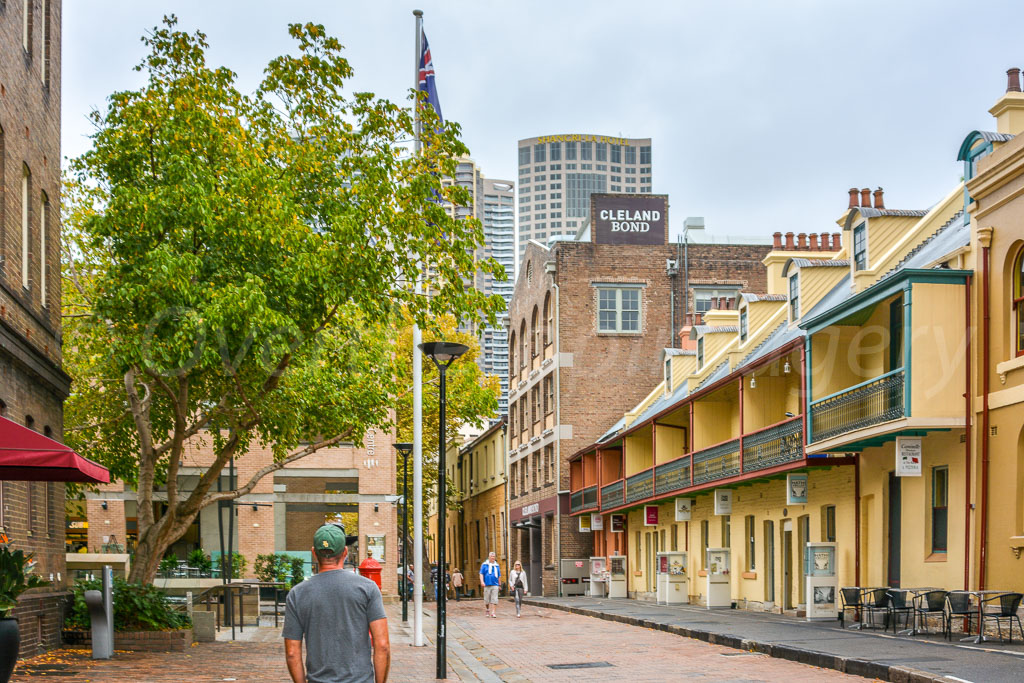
(558, 443)
(985, 237)
(967, 435)
(856, 518)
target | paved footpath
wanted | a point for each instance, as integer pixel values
(544, 645)
(870, 653)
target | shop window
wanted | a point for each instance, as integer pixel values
(1018, 304)
(751, 546)
(704, 539)
(940, 509)
(828, 523)
(726, 531)
(675, 537)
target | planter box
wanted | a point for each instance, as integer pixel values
(139, 641)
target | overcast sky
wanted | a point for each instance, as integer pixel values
(762, 114)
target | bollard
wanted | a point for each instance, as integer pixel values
(101, 616)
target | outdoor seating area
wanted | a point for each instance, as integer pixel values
(973, 612)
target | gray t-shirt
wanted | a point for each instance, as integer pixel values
(332, 611)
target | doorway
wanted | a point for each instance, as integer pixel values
(769, 561)
(787, 564)
(895, 527)
(536, 557)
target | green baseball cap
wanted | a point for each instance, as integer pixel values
(331, 537)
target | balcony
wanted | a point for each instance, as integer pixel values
(772, 446)
(585, 499)
(611, 495)
(672, 476)
(863, 405)
(640, 486)
(717, 462)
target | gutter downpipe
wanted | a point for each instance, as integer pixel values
(557, 559)
(986, 245)
(967, 436)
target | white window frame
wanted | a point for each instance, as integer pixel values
(618, 289)
(853, 246)
(794, 303)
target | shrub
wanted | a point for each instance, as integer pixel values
(271, 568)
(16, 577)
(238, 565)
(198, 559)
(137, 607)
(168, 565)
(298, 573)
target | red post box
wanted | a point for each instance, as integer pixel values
(370, 568)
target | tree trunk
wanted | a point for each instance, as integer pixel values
(154, 543)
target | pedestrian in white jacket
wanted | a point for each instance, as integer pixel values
(517, 585)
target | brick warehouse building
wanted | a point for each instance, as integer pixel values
(33, 385)
(586, 318)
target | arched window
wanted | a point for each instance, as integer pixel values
(522, 345)
(512, 355)
(533, 334)
(547, 319)
(1018, 303)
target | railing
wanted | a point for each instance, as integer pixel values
(228, 601)
(868, 403)
(773, 446)
(575, 502)
(611, 495)
(718, 462)
(672, 475)
(640, 486)
(590, 497)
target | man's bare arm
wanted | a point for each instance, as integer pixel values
(381, 649)
(293, 656)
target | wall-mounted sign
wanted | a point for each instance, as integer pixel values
(650, 515)
(629, 219)
(584, 523)
(617, 523)
(684, 508)
(796, 489)
(596, 522)
(375, 547)
(723, 501)
(531, 509)
(908, 456)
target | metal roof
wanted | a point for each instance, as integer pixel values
(711, 329)
(718, 373)
(752, 298)
(780, 336)
(814, 263)
(837, 295)
(871, 212)
(955, 234)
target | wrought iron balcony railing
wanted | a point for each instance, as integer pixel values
(611, 495)
(718, 462)
(590, 497)
(575, 502)
(773, 446)
(863, 405)
(672, 475)
(640, 486)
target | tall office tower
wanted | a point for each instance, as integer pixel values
(558, 173)
(492, 202)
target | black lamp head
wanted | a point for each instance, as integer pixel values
(404, 448)
(441, 352)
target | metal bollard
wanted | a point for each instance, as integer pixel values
(101, 617)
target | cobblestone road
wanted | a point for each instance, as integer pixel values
(508, 649)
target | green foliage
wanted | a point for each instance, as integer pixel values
(137, 607)
(198, 559)
(238, 565)
(16, 577)
(280, 568)
(298, 572)
(235, 265)
(169, 564)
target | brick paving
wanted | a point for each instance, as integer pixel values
(480, 649)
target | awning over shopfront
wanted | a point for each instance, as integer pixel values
(26, 455)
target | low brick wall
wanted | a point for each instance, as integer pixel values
(138, 641)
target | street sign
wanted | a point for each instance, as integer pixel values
(908, 456)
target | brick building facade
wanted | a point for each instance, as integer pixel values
(569, 378)
(32, 384)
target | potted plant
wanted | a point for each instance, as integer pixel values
(16, 577)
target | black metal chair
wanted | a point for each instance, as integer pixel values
(958, 605)
(852, 600)
(876, 601)
(1008, 604)
(899, 604)
(930, 604)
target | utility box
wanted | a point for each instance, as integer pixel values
(598, 577)
(617, 585)
(719, 579)
(673, 586)
(575, 576)
(822, 584)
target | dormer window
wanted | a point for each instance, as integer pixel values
(700, 353)
(668, 375)
(743, 325)
(794, 297)
(860, 247)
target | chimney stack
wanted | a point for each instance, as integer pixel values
(789, 241)
(814, 241)
(853, 198)
(1013, 80)
(878, 199)
(824, 241)
(777, 241)
(836, 243)
(865, 197)
(801, 241)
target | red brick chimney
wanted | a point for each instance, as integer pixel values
(865, 197)
(853, 198)
(879, 204)
(814, 241)
(685, 342)
(801, 241)
(1013, 80)
(836, 243)
(777, 240)
(789, 241)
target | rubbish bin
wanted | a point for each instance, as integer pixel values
(370, 568)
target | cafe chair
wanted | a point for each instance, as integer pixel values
(852, 600)
(1008, 604)
(876, 601)
(930, 604)
(958, 604)
(897, 605)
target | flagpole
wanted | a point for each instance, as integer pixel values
(417, 397)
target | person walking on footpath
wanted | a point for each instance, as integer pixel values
(518, 585)
(341, 617)
(490, 580)
(457, 579)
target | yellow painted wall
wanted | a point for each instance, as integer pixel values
(815, 283)
(715, 420)
(638, 451)
(772, 398)
(682, 367)
(937, 350)
(671, 443)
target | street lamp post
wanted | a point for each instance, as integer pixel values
(443, 354)
(405, 449)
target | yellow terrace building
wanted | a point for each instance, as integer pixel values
(872, 399)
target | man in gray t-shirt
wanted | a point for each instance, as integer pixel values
(340, 614)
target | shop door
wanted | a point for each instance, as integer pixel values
(787, 564)
(769, 561)
(895, 526)
(536, 558)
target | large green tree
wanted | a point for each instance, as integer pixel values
(238, 263)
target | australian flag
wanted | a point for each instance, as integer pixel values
(427, 83)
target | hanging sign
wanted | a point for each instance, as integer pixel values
(617, 523)
(596, 522)
(684, 506)
(584, 523)
(796, 489)
(908, 456)
(650, 515)
(723, 501)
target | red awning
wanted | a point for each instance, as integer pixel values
(26, 455)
